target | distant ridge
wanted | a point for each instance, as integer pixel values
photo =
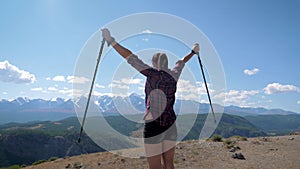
(58, 138)
(25, 109)
(24, 143)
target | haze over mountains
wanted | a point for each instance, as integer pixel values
(26, 109)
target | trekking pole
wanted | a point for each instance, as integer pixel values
(91, 89)
(201, 66)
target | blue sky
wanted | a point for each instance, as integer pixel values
(257, 42)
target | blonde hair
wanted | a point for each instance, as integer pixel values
(160, 61)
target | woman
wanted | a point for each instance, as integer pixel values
(160, 132)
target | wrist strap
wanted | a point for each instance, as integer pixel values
(194, 52)
(111, 41)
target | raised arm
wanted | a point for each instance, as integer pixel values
(195, 50)
(124, 52)
(133, 60)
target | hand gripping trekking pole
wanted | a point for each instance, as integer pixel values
(91, 89)
(201, 66)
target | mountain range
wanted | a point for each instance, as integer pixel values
(53, 128)
(23, 109)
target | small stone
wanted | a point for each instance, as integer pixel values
(179, 147)
(123, 160)
(68, 166)
(239, 156)
(77, 165)
(291, 138)
(233, 149)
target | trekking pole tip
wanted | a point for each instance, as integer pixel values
(79, 140)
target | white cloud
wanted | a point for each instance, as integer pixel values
(119, 86)
(48, 78)
(188, 96)
(131, 81)
(100, 86)
(280, 88)
(59, 78)
(147, 31)
(186, 90)
(185, 86)
(125, 83)
(95, 93)
(52, 89)
(251, 72)
(65, 91)
(37, 89)
(77, 79)
(74, 92)
(298, 102)
(235, 97)
(11, 73)
(5, 93)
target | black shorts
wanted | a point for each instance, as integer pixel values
(155, 133)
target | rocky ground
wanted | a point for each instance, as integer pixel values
(280, 152)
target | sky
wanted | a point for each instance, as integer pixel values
(257, 43)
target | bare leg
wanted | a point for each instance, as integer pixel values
(168, 154)
(154, 155)
(154, 162)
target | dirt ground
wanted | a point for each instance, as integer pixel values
(280, 152)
